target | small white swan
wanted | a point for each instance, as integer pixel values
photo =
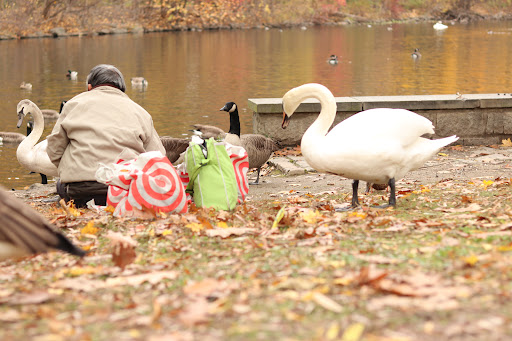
(376, 145)
(30, 155)
(440, 26)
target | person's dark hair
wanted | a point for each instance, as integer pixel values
(106, 74)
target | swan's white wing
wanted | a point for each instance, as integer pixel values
(41, 160)
(361, 159)
(402, 126)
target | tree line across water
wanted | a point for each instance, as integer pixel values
(21, 17)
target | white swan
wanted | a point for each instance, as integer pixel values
(440, 26)
(31, 155)
(376, 145)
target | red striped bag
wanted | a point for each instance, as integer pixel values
(149, 181)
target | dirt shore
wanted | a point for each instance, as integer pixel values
(468, 163)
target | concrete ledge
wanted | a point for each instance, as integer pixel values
(475, 118)
(286, 166)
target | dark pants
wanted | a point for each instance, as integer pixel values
(82, 192)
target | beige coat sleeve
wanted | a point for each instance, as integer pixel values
(154, 143)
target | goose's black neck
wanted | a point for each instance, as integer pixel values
(234, 122)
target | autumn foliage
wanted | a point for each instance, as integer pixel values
(26, 17)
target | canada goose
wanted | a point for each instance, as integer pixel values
(206, 131)
(139, 82)
(31, 155)
(391, 147)
(174, 147)
(72, 75)
(7, 137)
(440, 26)
(416, 54)
(23, 231)
(25, 86)
(259, 148)
(50, 114)
(377, 187)
(333, 59)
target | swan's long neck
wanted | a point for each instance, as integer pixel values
(36, 133)
(317, 131)
(234, 122)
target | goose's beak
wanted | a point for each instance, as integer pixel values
(21, 116)
(286, 120)
(224, 108)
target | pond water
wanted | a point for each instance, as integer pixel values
(192, 74)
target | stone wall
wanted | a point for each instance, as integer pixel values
(478, 119)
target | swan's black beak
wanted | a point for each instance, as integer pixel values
(286, 121)
(21, 116)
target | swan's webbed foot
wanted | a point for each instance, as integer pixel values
(355, 200)
(346, 208)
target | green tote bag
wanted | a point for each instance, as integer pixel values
(212, 177)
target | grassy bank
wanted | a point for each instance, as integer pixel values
(29, 17)
(435, 268)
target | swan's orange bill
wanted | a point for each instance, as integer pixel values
(286, 120)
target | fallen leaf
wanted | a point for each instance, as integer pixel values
(310, 216)
(89, 228)
(474, 207)
(11, 316)
(222, 224)
(353, 332)
(378, 259)
(70, 209)
(195, 312)
(230, 231)
(507, 142)
(195, 227)
(123, 249)
(278, 218)
(34, 297)
(332, 331)
(136, 280)
(326, 303)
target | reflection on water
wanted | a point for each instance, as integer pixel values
(192, 74)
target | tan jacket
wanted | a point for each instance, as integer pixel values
(96, 126)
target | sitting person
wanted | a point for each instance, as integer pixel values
(96, 126)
